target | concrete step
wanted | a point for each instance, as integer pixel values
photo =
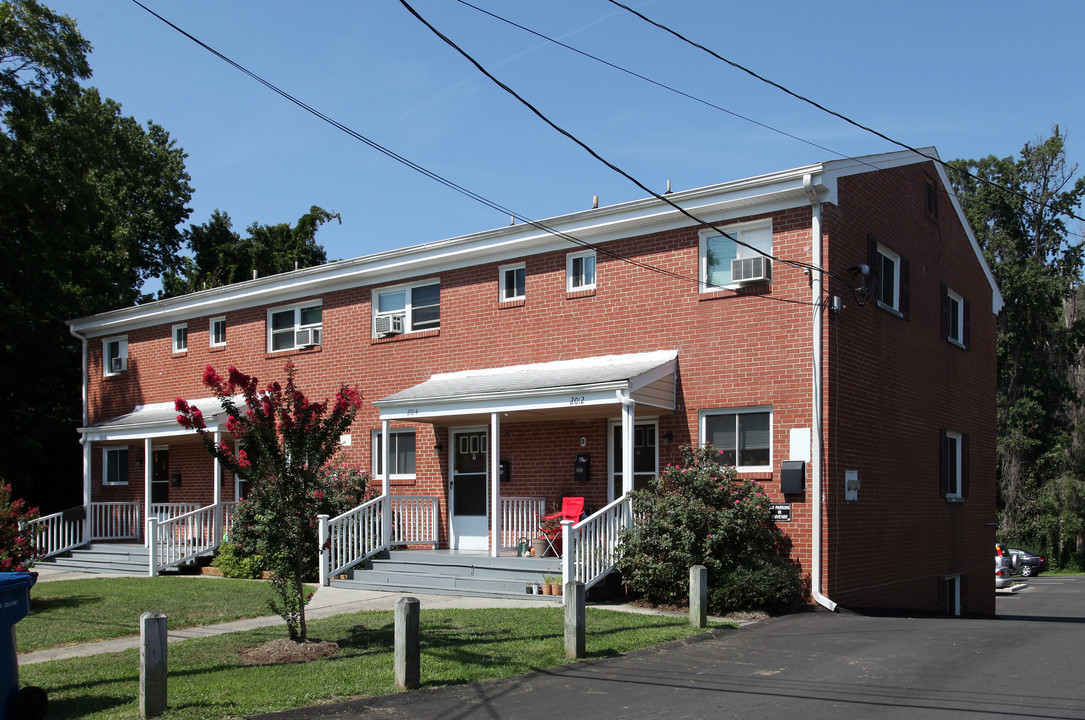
(106, 558)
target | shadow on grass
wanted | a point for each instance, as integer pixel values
(43, 605)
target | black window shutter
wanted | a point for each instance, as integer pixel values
(964, 464)
(966, 330)
(905, 293)
(943, 470)
(946, 319)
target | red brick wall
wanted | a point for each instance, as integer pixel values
(886, 379)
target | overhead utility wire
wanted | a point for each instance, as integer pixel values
(845, 118)
(587, 148)
(661, 85)
(424, 171)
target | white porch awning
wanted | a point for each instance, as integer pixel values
(155, 421)
(581, 388)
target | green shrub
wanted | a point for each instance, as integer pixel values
(697, 513)
(234, 565)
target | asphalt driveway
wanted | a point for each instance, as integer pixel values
(1026, 663)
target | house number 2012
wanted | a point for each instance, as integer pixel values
(576, 400)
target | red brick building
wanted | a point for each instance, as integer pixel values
(844, 325)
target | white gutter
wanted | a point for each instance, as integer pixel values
(816, 281)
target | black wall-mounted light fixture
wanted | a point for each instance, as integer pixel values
(438, 447)
(668, 438)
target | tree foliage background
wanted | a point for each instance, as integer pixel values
(1019, 209)
(91, 206)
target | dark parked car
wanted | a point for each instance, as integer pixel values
(1028, 564)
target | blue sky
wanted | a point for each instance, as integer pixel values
(971, 78)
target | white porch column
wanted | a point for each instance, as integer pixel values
(148, 478)
(628, 417)
(386, 485)
(217, 495)
(88, 521)
(496, 521)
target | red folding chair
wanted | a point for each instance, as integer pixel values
(571, 509)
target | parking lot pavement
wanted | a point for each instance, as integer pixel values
(815, 665)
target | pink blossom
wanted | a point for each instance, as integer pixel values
(211, 378)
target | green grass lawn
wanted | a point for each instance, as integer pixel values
(208, 680)
(66, 612)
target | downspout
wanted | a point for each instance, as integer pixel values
(816, 280)
(83, 437)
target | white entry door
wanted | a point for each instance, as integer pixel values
(468, 491)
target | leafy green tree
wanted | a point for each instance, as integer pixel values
(90, 203)
(220, 256)
(697, 513)
(289, 441)
(1037, 264)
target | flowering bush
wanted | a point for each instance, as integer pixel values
(697, 513)
(17, 541)
(289, 441)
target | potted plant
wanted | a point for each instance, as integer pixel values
(553, 585)
(546, 587)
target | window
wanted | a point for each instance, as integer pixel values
(513, 282)
(889, 287)
(114, 356)
(291, 328)
(717, 251)
(407, 308)
(956, 323)
(742, 437)
(218, 331)
(580, 271)
(645, 456)
(952, 594)
(180, 338)
(954, 459)
(115, 466)
(401, 448)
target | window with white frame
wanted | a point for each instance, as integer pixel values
(513, 282)
(115, 466)
(180, 338)
(743, 437)
(217, 331)
(887, 272)
(749, 243)
(580, 271)
(295, 327)
(954, 484)
(401, 448)
(114, 356)
(407, 308)
(951, 594)
(955, 320)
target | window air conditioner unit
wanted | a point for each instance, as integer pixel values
(118, 364)
(751, 270)
(389, 325)
(307, 337)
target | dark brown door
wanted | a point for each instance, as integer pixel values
(160, 481)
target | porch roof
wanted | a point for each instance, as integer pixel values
(580, 388)
(155, 420)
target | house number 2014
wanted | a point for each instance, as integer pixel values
(412, 411)
(576, 400)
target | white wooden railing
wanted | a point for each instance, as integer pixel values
(165, 511)
(591, 545)
(227, 518)
(181, 538)
(114, 520)
(414, 520)
(350, 538)
(520, 519)
(54, 534)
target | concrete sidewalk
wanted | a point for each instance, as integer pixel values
(326, 602)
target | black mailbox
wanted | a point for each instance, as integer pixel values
(582, 467)
(792, 476)
(175, 479)
(505, 471)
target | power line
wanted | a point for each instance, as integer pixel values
(441, 179)
(845, 118)
(587, 148)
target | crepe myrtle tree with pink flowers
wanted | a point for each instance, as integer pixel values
(699, 513)
(288, 440)
(18, 534)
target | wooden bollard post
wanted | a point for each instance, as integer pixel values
(574, 619)
(152, 664)
(698, 596)
(408, 648)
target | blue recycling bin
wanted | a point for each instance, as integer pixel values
(14, 606)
